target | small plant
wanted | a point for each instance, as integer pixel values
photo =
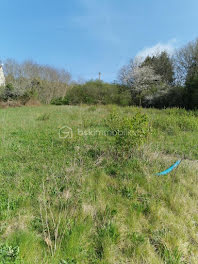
(43, 117)
(8, 92)
(92, 108)
(137, 238)
(129, 132)
(128, 192)
(57, 101)
(167, 255)
(55, 211)
(106, 230)
(8, 254)
(50, 223)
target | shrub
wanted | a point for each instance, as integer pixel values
(57, 101)
(8, 254)
(43, 117)
(95, 92)
(8, 92)
(129, 132)
(176, 120)
(191, 98)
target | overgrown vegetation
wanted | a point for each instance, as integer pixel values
(156, 81)
(93, 196)
(9, 254)
(162, 80)
(95, 92)
(30, 79)
(129, 132)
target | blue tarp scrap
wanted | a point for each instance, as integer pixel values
(169, 169)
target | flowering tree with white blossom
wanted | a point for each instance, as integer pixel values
(140, 79)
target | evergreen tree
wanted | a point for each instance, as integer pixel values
(162, 65)
(191, 87)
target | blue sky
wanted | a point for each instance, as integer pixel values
(88, 36)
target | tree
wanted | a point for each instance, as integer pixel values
(125, 74)
(185, 59)
(30, 77)
(191, 87)
(142, 80)
(162, 65)
(191, 98)
(7, 93)
(186, 65)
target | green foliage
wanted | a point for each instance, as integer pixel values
(176, 121)
(92, 108)
(9, 254)
(32, 79)
(167, 255)
(43, 117)
(95, 92)
(8, 92)
(128, 192)
(57, 101)
(191, 92)
(162, 66)
(137, 238)
(68, 261)
(106, 231)
(75, 201)
(8, 204)
(175, 97)
(129, 132)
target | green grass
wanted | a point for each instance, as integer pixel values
(76, 200)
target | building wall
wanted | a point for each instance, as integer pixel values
(2, 77)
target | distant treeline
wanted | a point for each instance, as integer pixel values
(95, 92)
(155, 81)
(29, 79)
(163, 80)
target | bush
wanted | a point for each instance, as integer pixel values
(129, 132)
(191, 96)
(95, 92)
(57, 101)
(8, 92)
(8, 254)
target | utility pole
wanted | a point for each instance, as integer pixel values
(99, 76)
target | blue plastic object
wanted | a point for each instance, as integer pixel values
(169, 169)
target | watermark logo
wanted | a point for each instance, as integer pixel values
(65, 132)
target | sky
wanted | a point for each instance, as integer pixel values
(90, 36)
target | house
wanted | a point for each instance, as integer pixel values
(2, 77)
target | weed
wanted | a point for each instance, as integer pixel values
(43, 117)
(9, 254)
(68, 261)
(92, 199)
(167, 255)
(129, 132)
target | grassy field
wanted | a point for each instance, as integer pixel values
(67, 196)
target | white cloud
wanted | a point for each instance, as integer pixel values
(158, 48)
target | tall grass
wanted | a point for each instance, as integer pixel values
(77, 200)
